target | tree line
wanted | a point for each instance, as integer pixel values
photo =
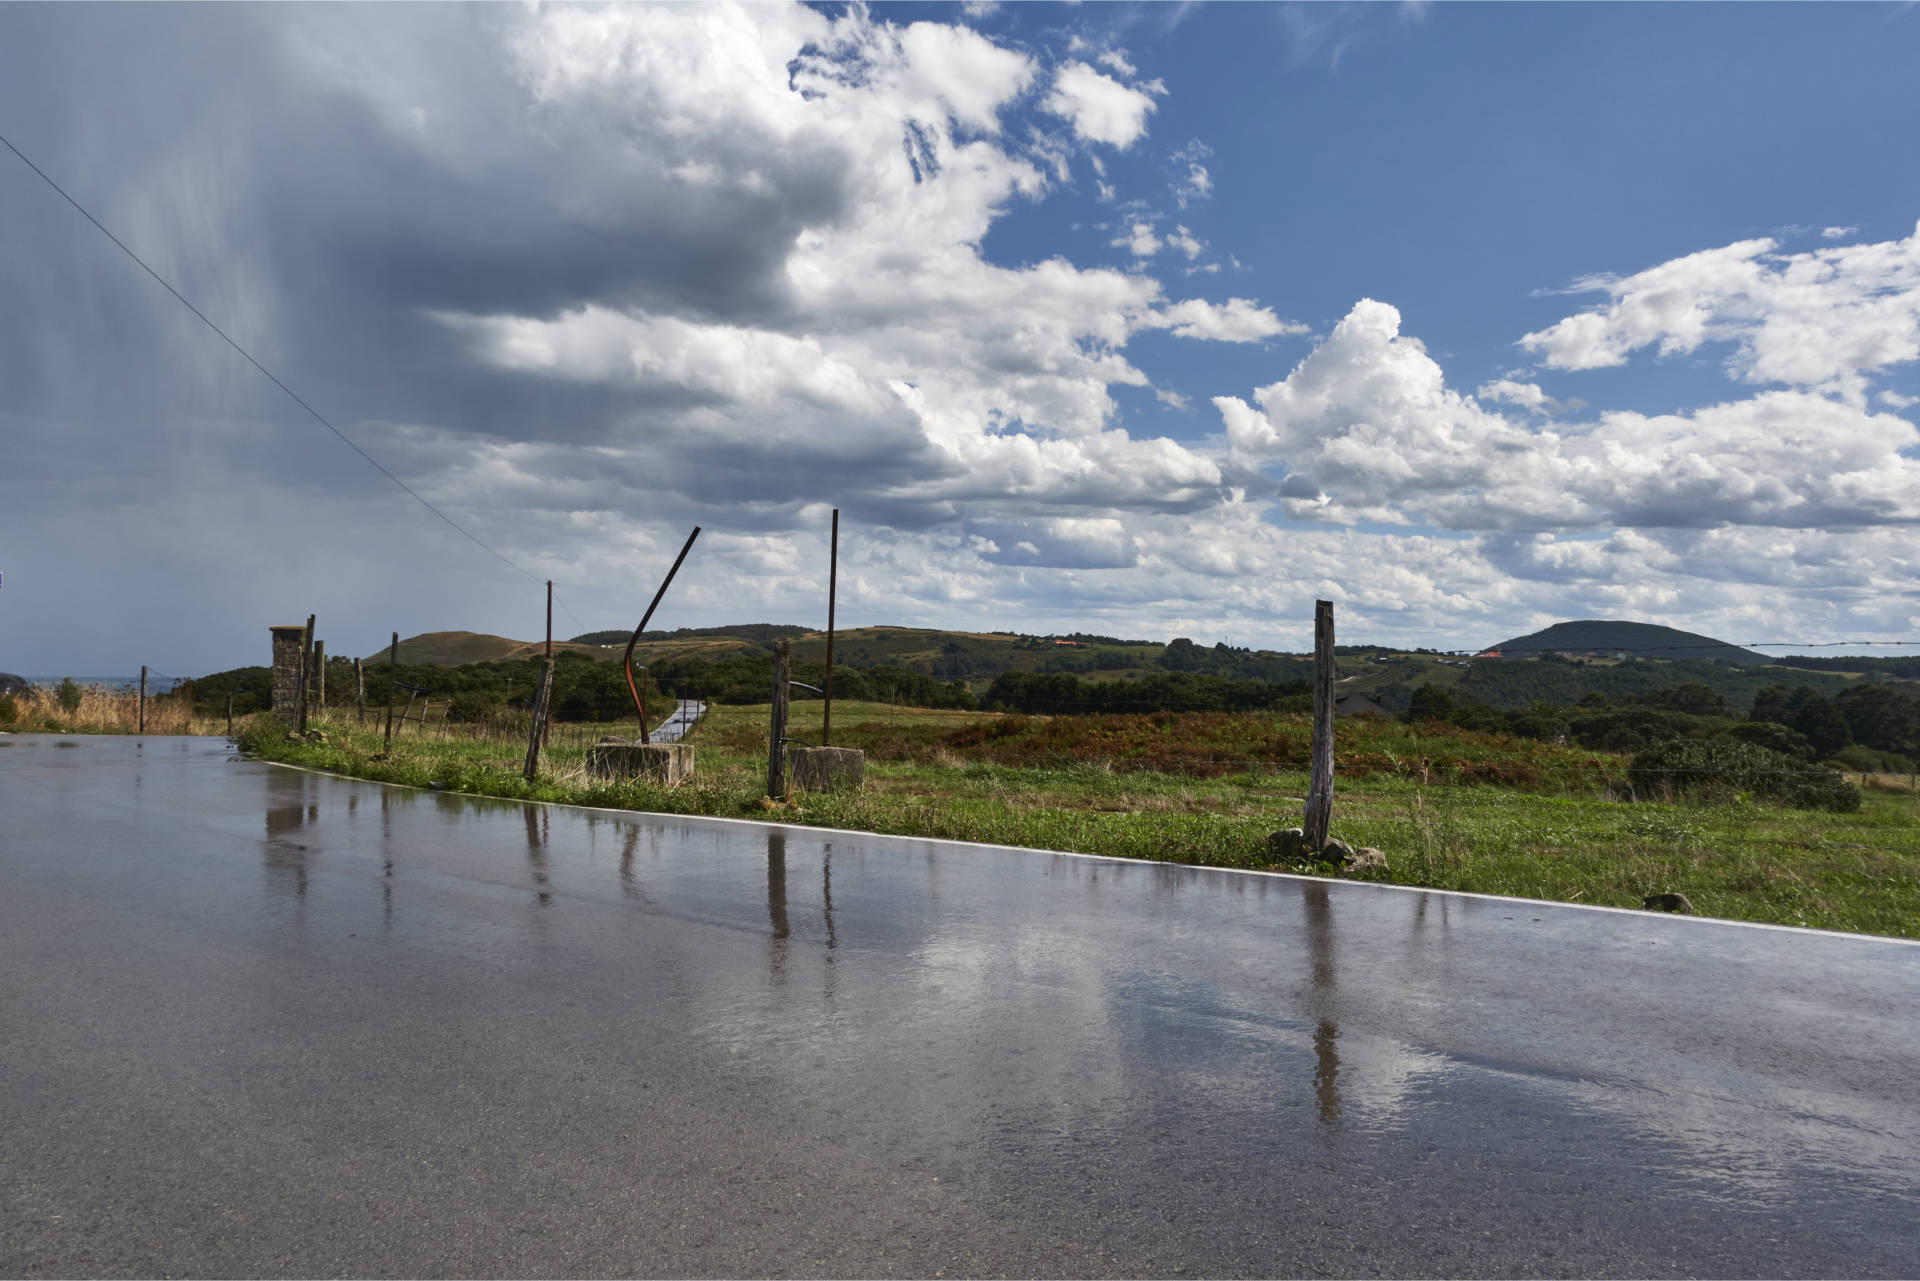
(1862, 727)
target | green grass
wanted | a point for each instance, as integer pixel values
(1189, 790)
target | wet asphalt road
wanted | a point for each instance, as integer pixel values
(261, 1022)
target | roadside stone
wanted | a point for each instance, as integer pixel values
(1668, 903)
(1367, 859)
(1286, 845)
(826, 769)
(669, 763)
(1335, 851)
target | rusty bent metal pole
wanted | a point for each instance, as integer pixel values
(640, 703)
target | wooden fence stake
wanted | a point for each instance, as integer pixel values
(359, 693)
(393, 675)
(1320, 789)
(143, 698)
(833, 584)
(777, 736)
(320, 676)
(229, 713)
(306, 672)
(537, 730)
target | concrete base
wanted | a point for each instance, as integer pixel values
(826, 769)
(668, 763)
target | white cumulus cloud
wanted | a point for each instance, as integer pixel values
(1369, 432)
(1826, 319)
(1100, 108)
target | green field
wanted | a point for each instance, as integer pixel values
(1452, 809)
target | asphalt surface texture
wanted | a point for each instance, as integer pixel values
(260, 1022)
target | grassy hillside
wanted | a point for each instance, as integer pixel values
(456, 649)
(977, 658)
(459, 649)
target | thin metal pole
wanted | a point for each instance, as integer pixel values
(833, 585)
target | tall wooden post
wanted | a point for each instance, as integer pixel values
(548, 729)
(393, 675)
(537, 729)
(229, 713)
(833, 583)
(143, 698)
(777, 735)
(1320, 788)
(359, 692)
(306, 672)
(320, 676)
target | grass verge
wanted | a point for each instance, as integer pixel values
(1543, 830)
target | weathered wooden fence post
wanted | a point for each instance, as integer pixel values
(833, 583)
(1320, 789)
(777, 735)
(229, 713)
(306, 672)
(359, 693)
(538, 729)
(143, 698)
(320, 676)
(393, 676)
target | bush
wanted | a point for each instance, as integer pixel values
(9, 709)
(1720, 769)
(68, 695)
(1867, 760)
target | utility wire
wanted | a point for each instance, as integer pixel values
(245, 355)
(562, 601)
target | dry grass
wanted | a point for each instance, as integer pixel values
(104, 711)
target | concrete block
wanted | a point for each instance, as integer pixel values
(826, 769)
(668, 763)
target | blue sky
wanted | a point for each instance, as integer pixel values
(1157, 320)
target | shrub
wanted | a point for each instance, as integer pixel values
(1715, 769)
(1867, 760)
(9, 709)
(68, 695)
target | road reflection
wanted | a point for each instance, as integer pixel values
(539, 828)
(286, 858)
(1326, 994)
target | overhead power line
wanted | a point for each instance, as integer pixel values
(271, 377)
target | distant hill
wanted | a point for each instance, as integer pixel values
(1605, 638)
(455, 649)
(768, 632)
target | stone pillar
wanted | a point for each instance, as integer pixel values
(287, 642)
